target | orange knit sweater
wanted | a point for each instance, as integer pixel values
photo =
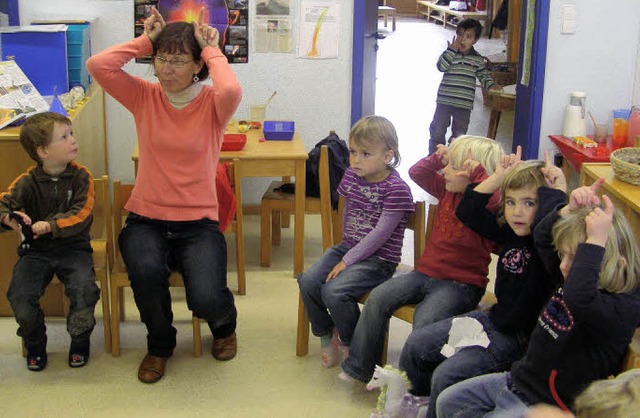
(178, 148)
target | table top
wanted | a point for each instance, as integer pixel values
(576, 154)
(627, 192)
(256, 150)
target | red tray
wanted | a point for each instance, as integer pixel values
(234, 142)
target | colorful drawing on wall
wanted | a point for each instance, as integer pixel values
(230, 17)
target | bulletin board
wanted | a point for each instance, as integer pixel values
(230, 17)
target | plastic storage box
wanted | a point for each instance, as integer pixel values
(42, 56)
(278, 130)
(233, 142)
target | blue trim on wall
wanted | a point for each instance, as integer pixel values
(10, 7)
(357, 61)
(528, 112)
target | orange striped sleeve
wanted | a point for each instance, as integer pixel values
(17, 179)
(86, 210)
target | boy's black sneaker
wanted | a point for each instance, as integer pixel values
(78, 354)
(36, 363)
(37, 355)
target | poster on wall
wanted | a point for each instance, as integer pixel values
(230, 17)
(272, 26)
(319, 30)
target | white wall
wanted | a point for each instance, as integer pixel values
(601, 58)
(314, 94)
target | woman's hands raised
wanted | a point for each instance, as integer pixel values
(154, 24)
(205, 34)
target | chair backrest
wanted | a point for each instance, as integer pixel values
(121, 194)
(421, 228)
(102, 221)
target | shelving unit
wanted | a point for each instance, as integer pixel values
(426, 7)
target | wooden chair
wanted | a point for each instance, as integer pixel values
(120, 279)
(276, 204)
(416, 223)
(103, 257)
(386, 11)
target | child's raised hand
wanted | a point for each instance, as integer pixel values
(442, 150)
(154, 24)
(468, 166)
(454, 44)
(599, 222)
(585, 196)
(337, 269)
(553, 176)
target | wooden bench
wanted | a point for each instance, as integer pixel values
(426, 7)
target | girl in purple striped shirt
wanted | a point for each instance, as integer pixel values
(377, 205)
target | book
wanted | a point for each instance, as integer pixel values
(18, 96)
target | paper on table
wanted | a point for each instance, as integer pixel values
(510, 89)
(464, 332)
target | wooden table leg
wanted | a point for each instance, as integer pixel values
(494, 120)
(298, 233)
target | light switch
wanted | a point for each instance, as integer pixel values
(569, 19)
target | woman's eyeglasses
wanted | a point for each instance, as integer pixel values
(173, 63)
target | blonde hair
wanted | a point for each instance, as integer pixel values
(484, 150)
(611, 398)
(526, 175)
(620, 271)
(373, 128)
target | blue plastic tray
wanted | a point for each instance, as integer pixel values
(278, 130)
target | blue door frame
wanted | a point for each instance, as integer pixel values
(528, 113)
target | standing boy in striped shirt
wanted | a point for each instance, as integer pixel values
(461, 65)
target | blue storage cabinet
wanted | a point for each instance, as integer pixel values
(42, 56)
(78, 52)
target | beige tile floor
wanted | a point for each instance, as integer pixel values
(266, 379)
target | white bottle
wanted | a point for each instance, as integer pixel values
(575, 116)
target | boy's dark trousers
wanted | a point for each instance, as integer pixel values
(441, 120)
(32, 274)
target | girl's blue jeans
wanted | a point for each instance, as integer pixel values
(151, 249)
(430, 372)
(435, 299)
(491, 395)
(335, 303)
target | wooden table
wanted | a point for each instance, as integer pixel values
(624, 196)
(89, 129)
(574, 155)
(271, 159)
(498, 101)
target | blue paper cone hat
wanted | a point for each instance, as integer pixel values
(56, 106)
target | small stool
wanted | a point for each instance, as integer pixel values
(386, 11)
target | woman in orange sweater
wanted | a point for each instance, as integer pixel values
(173, 220)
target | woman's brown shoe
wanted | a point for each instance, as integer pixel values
(224, 349)
(152, 368)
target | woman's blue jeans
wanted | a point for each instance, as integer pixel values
(335, 303)
(151, 249)
(436, 299)
(430, 372)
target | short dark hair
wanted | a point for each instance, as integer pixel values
(37, 131)
(179, 38)
(467, 24)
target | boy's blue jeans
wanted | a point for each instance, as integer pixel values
(32, 274)
(430, 372)
(197, 249)
(490, 395)
(436, 299)
(335, 303)
(443, 117)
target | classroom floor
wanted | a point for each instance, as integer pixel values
(266, 379)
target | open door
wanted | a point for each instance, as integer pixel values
(533, 56)
(365, 49)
